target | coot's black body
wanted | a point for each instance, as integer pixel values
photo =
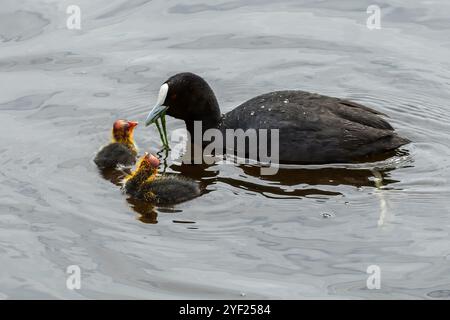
(313, 128)
(115, 154)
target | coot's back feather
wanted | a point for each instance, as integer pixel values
(315, 128)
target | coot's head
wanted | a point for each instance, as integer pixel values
(188, 97)
(122, 131)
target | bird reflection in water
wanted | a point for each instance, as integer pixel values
(115, 175)
(284, 184)
(146, 211)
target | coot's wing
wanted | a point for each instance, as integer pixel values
(360, 114)
(362, 140)
(360, 106)
(303, 110)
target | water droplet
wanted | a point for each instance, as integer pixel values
(252, 113)
(327, 215)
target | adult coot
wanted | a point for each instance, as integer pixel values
(312, 128)
(144, 184)
(122, 150)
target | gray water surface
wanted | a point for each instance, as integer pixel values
(308, 232)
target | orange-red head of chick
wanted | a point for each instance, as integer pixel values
(122, 132)
(148, 163)
(146, 170)
(122, 150)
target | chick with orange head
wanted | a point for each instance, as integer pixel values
(167, 189)
(122, 150)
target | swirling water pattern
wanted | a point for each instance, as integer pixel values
(308, 232)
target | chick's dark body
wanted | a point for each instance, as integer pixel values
(115, 154)
(168, 190)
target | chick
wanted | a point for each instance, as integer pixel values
(146, 185)
(122, 150)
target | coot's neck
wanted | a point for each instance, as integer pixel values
(207, 112)
(205, 125)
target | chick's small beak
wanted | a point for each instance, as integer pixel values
(132, 124)
(155, 114)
